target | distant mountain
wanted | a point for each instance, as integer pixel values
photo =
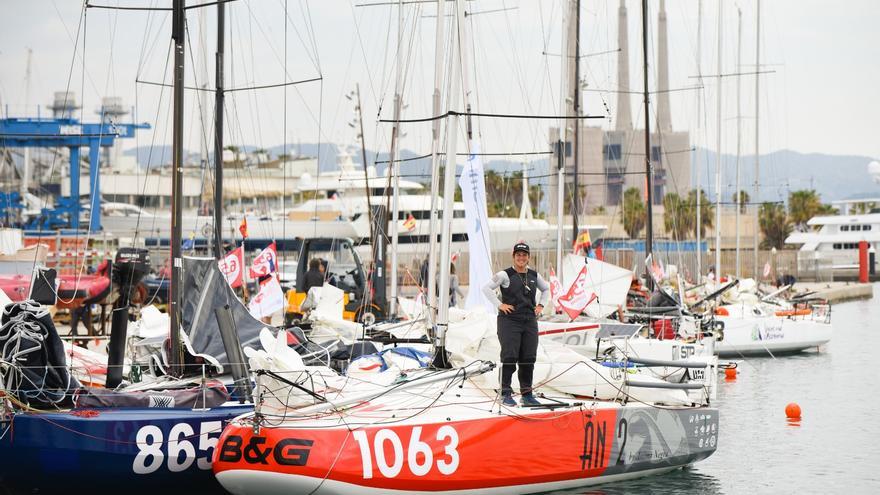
(834, 177)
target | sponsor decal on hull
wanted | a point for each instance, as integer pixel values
(483, 453)
(768, 330)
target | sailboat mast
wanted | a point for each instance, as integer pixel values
(218, 132)
(26, 166)
(757, 125)
(736, 194)
(699, 186)
(394, 164)
(360, 110)
(576, 200)
(435, 160)
(649, 169)
(178, 25)
(452, 122)
(718, 147)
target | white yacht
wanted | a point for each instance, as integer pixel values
(834, 240)
(340, 208)
(341, 194)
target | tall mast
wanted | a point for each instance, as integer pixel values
(394, 164)
(738, 131)
(178, 26)
(26, 167)
(435, 160)
(560, 200)
(457, 45)
(202, 77)
(718, 149)
(699, 186)
(757, 125)
(649, 169)
(576, 200)
(218, 132)
(360, 110)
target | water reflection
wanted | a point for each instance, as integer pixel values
(687, 480)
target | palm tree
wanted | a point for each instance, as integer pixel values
(707, 211)
(744, 199)
(828, 210)
(677, 217)
(775, 225)
(633, 212)
(802, 206)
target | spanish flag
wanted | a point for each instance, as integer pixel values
(410, 223)
(582, 241)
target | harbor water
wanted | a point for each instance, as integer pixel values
(835, 448)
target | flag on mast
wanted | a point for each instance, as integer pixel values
(576, 300)
(473, 195)
(243, 228)
(266, 262)
(410, 223)
(231, 266)
(555, 291)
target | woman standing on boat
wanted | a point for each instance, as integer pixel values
(518, 322)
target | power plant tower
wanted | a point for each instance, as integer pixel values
(664, 118)
(111, 112)
(624, 112)
(64, 104)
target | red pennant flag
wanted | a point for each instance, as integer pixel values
(243, 228)
(232, 267)
(577, 299)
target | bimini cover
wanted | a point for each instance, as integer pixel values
(204, 290)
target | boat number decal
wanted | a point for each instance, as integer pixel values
(180, 450)
(287, 452)
(418, 457)
(683, 352)
(621, 433)
(697, 374)
(593, 455)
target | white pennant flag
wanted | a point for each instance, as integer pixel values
(555, 291)
(473, 195)
(269, 300)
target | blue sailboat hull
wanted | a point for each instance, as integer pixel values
(119, 450)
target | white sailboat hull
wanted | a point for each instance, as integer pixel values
(766, 335)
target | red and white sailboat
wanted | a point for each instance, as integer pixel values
(441, 432)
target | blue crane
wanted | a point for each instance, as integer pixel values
(72, 134)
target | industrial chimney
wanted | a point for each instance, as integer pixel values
(624, 112)
(664, 119)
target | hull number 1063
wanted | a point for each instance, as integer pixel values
(418, 454)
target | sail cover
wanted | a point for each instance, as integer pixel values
(204, 290)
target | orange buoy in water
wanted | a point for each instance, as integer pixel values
(730, 373)
(793, 411)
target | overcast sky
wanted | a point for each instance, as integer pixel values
(823, 96)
